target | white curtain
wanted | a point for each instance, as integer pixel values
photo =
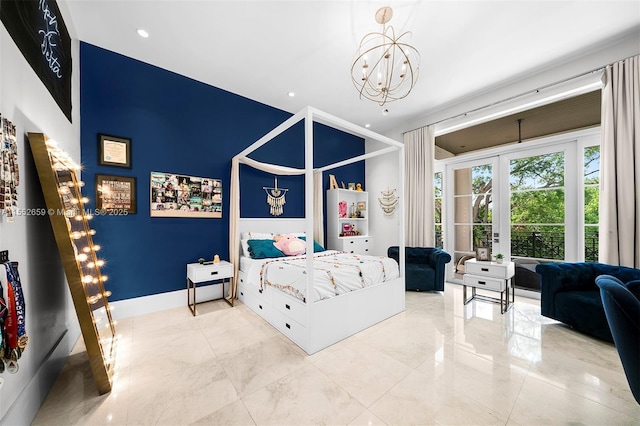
(318, 215)
(419, 200)
(620, 165)
(234, 207)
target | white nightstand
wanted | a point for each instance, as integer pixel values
(205, 272)
(489, 276)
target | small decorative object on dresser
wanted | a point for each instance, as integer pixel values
(483, 254)
(499, 258)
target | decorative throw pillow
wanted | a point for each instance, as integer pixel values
(246, 236)
(316, 246)
(290, 245)
(263, 249)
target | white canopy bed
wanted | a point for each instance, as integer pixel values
(308, 315)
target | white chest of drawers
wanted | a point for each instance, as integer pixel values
(491, 276)
(356, 244)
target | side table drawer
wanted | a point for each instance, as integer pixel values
(489, 269)
(484, 282)
(213, 273)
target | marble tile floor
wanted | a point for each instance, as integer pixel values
(438, 362)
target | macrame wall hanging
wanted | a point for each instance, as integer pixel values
(388, 201)
(275, 198)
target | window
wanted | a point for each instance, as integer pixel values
(591, 202)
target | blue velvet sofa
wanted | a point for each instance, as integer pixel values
(569, 294)
(424, 267)
(621, 303)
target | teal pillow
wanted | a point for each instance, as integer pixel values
(316, 247)
(263, 249)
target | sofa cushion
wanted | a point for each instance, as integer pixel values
(583, 311)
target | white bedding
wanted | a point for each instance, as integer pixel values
(335, 273)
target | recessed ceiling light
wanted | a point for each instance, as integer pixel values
(367, 125)
(142, 33)
(291, 94)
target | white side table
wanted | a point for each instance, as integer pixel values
(489, 276)
(205, 272)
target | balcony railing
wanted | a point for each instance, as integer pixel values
(539, 244)
(549, 245)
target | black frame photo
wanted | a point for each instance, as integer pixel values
(119, 196)
(483, 254)
(114, 151)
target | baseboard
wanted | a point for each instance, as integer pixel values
(26, 406)
(128, 308)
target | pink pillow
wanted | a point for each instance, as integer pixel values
(291, 245)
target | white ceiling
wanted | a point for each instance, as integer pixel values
(264, 49)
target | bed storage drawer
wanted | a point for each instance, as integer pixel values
(290, 328)
(289, 306)
(259, 306)
(241, 287)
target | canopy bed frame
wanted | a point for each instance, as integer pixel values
(313, 325)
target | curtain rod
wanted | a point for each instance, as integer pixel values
(518, 96)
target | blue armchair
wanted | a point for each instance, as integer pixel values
(424, 267)
(569, 294)
(622, 308)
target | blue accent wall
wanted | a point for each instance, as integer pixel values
(179, 125)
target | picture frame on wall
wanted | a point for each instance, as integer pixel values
(114, 151)
(116, 195)
(483, 254)
(174, 195)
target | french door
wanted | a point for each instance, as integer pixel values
(472, 197)
(538, 202)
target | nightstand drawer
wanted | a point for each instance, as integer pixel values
(490, 269)
(198, 273)
(484, 282)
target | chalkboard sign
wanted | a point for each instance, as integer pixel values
(37, 28)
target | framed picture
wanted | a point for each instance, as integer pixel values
(116, 195)
(352, 186)
(483, 254)
(114, 151)
(174, 195)
(362, 205)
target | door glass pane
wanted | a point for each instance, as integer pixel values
(472, 210)
(437, 189)
(591, 202)
(538, 207)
